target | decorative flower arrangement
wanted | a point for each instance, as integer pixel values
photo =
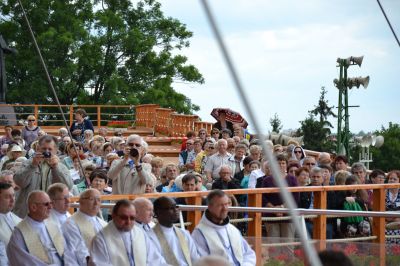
(118, 124)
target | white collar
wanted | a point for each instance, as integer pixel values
(35, 224)
(59, 214)
(167, 229)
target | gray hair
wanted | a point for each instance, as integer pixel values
(219, 169)
(358, 166)
(315, 170)
(5, 173)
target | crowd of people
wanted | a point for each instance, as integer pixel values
(40, 172)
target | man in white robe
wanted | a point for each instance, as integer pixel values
(214, 235)
(175, 245)
(144, 214)
(36, 241)
(123, 243)
(82, 226)
(59, 195)
(8, 220)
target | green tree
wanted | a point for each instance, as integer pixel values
(103, 52)
(276, 123)
(387, 157)
(316, 134)
(323, 110)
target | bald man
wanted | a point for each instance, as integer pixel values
(144, 214)
(35, 240)
(80, 228)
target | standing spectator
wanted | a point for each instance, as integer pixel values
(202, 135)
(393, 204)
(226, 133)
(222, 122)
(309, 162)
(189, 135)
(157, 164)
(129, 175)
(326, 173)
(217, 160)
(231, 145)
(282, 161)
(81, 124)
(30, 132)
(298, 154)
(376, 177)
(359, 170)
(292, 168)
(255, 153)
(324, 158)
(7, 138)
(215, 134)
(39, 172)
(99, 181)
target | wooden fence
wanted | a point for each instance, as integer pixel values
(255, 200)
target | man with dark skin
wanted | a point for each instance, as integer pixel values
(175, 244)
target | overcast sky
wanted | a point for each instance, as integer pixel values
(286, 50)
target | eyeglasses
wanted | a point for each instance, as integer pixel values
(46, 204)
(310, 163)
(202, 133)
(134, 145)
(211, 148)
(297, 151)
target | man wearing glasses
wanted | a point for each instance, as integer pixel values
(36, 240)
(122, 242)
(81, 227)
(59, 195)
(129, 175)
(39, 172)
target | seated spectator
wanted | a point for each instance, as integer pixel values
(231, 145)
(359, 170)
(303, 176)
(99, 181)
(150, 187)
(144, 214)
(183, 164)
(202, 157)
(341, 163)
(236, 160)
(324, 158)
(171, 173)
(7, 138)
(377, 176)
(326, 173)
(7, 176)
(103, 131)
(245, 169)
(285, 228)
(255, 153)
(298, 154)
(215, 134)
(278, 149)
(72, 153)
(147, 158)
(202, 134)
(84, 184)
(282, 161)
(225, 179)
(62, 132)
(309, 162)
(157, 164)
(226, 133)
(14, 152)
(340, 177)
(354, 225)
(189, 135)
(393, 204)
(59, 195)
(118, 144)
(292, 168)
(307, 201)
(252, 166)
(3, 150)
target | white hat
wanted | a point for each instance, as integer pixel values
(16, 148)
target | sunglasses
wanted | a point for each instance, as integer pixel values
(297, 151)
(134, 145)
(30, 120)
(126, 217)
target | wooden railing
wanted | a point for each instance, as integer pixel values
(49, 115)
(255, 200)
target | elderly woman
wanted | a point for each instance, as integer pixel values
(393, 204)
(30, 132)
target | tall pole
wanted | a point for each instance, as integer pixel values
(342, 146)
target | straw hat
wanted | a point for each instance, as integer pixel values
(16, 148)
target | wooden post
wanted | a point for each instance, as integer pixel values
(98, 116)
(71, 115)
(378, 223)
(194, 216)
(255, 230)
(319, 224)
(36, 113)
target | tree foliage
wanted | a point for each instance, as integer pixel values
(323, 110)
(97, 52)
(276, 123)
(316, 134)
(387, 157)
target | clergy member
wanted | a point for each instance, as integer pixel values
(175, 245)
(35, 240)
(59, 195)
(82, 226)
(123, 243)
(144, 214)
(8, 220)
(214, 235)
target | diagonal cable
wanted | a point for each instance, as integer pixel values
(50, 81)
(388, 22)
(310, 251)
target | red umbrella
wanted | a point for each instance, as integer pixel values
(230, 116)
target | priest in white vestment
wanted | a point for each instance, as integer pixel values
(36, 241)
(175, 245)
(59, 195)
(122, 243)
(82, 226)
(8, 220)
(214, 235)
(144, 214)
